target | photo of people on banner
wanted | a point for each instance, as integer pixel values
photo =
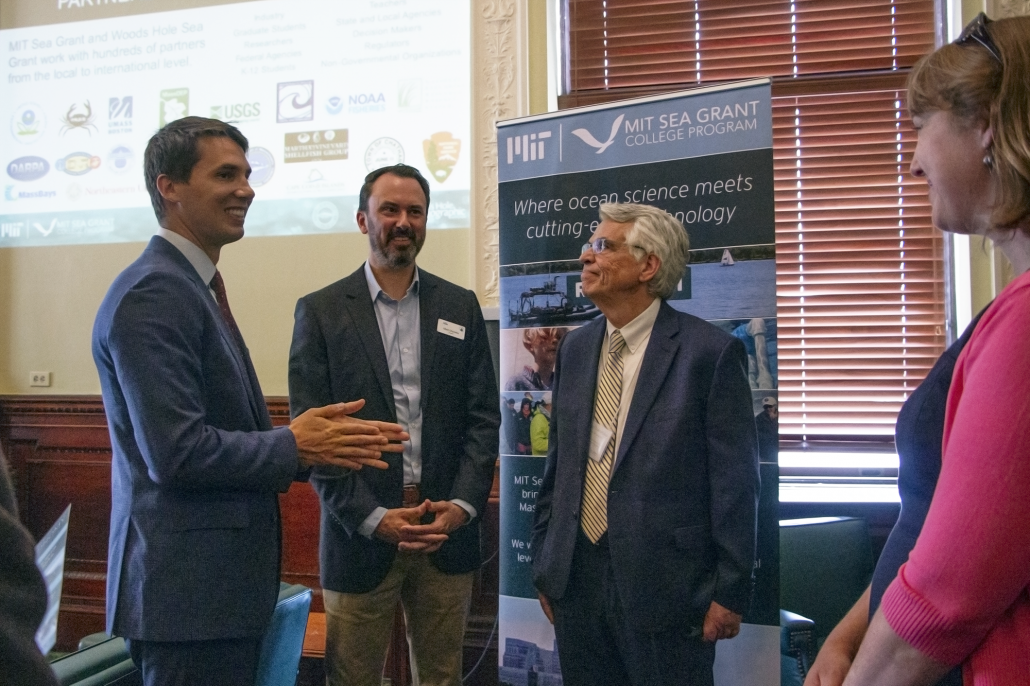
(718, 189)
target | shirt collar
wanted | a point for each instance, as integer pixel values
(637, 331)
(373, 285)
(203, 265)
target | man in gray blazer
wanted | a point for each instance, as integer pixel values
(644, 537)
(415, 348)
(196, 469)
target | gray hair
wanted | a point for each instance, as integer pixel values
(654, 232)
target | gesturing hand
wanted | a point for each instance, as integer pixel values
(330, 436)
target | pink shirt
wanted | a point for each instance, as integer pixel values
(963, 594)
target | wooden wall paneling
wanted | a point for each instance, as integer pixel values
(59, 452)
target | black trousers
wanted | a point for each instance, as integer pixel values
(597, 647)
(229, 662)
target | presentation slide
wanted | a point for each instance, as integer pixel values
(325, 91)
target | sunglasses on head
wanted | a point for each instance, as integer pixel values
(976, 31)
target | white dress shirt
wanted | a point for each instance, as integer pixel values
(637, 333)
(192, 252)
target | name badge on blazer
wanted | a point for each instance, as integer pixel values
(453, 330)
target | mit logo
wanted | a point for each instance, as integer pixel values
(530, 146)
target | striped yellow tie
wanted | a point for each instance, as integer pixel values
(594, 519)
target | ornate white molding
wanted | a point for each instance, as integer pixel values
(500, 90)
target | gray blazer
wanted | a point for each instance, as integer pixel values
(337, 355)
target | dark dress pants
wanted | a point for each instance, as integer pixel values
(597, 647)
(230, 662)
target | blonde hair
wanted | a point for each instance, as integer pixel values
(967, 81)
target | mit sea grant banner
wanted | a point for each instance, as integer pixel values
(704, 156)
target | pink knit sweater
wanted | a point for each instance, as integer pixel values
(964, 594)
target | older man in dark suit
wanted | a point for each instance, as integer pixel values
(415, 347)
(193, 564)
(644, 538)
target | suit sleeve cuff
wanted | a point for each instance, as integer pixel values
(368, 527)
(465, 506)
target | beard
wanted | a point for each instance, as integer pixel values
(394, 257)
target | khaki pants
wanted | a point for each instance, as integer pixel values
(435, 606)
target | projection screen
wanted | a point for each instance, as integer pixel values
(324, 90)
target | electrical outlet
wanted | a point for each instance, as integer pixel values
(39, 378)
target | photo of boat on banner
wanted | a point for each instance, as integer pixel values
(719, 283)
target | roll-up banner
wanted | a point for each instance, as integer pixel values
(706, 157)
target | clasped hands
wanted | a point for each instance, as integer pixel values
(330, 436)
(401, 525)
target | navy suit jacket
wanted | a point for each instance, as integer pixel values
(338, 355)
(196, 465)
(683, 492)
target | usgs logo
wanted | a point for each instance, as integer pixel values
(243, 111)
(28, 168)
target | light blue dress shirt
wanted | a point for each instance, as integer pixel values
(400, 325)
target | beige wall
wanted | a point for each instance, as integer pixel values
(49, 296)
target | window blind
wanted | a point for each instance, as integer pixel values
(627, 43)
(859, 268)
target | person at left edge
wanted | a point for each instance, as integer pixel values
(23, 597)
(415, 347)
(193, 561)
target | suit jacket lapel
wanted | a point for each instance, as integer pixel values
(661, 350)
(579, 368)
(358, 302)
(429, 314)
(243, 364)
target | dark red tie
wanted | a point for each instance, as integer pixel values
(218, 286)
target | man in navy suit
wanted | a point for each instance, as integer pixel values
(193, 562)
(415, 347)
(644, 537)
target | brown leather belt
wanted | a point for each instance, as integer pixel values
(412, 497)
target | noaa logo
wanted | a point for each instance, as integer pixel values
(28, 168)
(28, 123)
(262, 166)
(366, 102)
(589, 139)
(334, 105)
(78, 163)
(120, 159)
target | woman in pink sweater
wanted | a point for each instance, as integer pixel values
(963, 597)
